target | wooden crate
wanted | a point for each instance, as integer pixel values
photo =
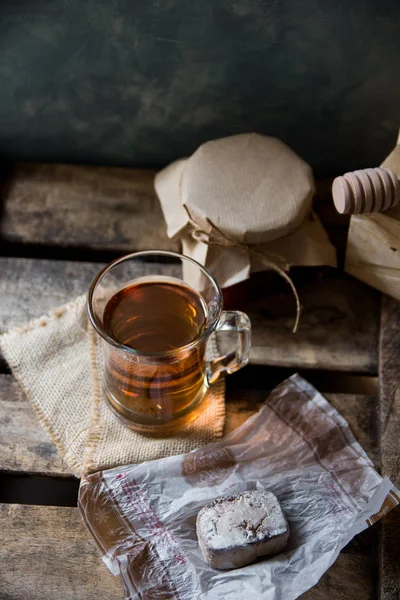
(59, 224)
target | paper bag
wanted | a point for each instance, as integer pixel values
(373, 245)
(258, 194)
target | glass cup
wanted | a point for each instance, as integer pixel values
(158, 391)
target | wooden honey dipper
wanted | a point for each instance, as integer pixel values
(366, 191)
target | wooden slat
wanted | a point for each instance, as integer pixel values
(25, 446)
(31, 287)
(390, 441)
(351, 577)
(334, 334)
(88, 207)
(103, 208)
(45, 553)
(46, 549)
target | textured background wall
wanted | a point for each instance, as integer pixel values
(141, 82)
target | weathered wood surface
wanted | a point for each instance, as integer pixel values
(90, 207)
(31, 287)
(351, 577)
(102, 208)
(24, 444)
(390, 441)
(26, 447)
(333, 334)
(45, 549)
(45, 553)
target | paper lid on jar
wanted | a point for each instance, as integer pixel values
(254, 189)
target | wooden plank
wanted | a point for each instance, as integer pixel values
(389, 558)
(25, 446)
(390, 388)
(104, 208)
(45, 552)
(31, 287)
(334, 334)
(85, 207)
(46, 549)
(390, 441)
(350, 577)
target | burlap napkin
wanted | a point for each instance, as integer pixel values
(57, 359)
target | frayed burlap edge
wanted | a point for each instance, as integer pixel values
(42, 321)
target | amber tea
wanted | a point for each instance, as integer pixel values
(155, 311)
(153, 318)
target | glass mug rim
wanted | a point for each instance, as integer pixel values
(98, 326)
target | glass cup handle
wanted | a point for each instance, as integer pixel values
(232, 320)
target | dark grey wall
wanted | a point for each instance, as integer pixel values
(141, 82)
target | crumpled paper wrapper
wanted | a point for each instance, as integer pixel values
(258, 193)
(143, 517)
(373, 243)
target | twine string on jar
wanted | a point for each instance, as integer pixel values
(215, 237)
